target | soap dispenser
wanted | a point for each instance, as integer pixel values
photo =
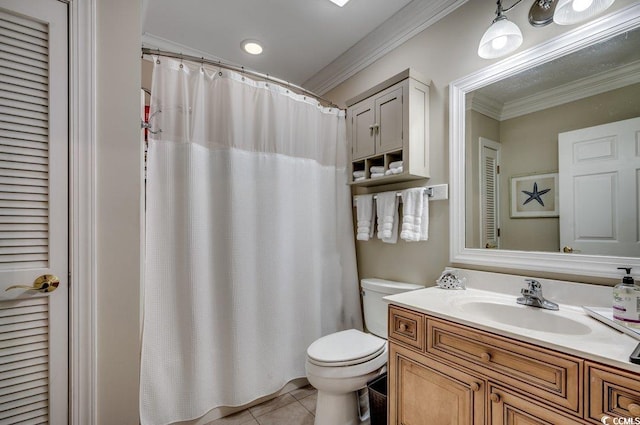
(626, 301)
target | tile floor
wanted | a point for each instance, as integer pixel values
(297, 407)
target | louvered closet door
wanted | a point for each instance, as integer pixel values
(33, 211)
(489, 194)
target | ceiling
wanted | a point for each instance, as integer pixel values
(313, 43)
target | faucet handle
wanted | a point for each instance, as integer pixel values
(534, 285)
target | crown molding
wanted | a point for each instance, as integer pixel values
(485, 105)
(405, 24)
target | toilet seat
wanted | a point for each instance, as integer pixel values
(345, 348)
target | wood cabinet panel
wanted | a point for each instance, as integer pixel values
(543, 373)
(509, 408)
(407, 327)
(426, 392)
(611, 392)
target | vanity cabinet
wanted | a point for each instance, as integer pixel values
(457, 374)
(389, 123)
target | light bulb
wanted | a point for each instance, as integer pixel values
(499, 42)
(581, 5)
(252, 47)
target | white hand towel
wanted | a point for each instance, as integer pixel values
(391, 171)
(359, 179)
(375, 175)
(364, 213)
(387, 208)
(395, 164)
(415, 215)
(358, 173)
(377, 169)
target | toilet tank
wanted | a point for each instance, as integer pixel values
(375, 308)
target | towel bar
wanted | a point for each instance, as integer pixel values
(435, 193)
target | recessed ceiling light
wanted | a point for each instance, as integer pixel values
(252, 47)
(340, 2)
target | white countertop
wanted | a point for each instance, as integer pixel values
(591, 339)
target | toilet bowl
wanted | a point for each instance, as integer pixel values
(340, 364)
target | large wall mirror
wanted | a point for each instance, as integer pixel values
(545, 154)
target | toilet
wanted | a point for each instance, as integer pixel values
(340, 364)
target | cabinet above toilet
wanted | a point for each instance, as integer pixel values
(387, 124)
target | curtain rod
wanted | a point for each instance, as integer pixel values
(241, 69)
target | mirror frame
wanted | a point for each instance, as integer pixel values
(593, 32)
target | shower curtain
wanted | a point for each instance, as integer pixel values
(249, 241)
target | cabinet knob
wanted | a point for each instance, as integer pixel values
(403, 327)
(485, 357)
(634, 409)
(494, 397)
(475, 387)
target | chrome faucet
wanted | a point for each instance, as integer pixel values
(533, 296)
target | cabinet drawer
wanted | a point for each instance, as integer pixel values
(509, 408)
(542, 373)
(612, 392)
(406, 327)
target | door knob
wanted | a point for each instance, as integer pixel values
(569, 250)
(44, 283)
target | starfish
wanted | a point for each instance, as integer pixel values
(535, 194)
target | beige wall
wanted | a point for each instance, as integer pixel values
(118, 210)
(443, 52)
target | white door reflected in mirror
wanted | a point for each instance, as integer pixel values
(599, 188)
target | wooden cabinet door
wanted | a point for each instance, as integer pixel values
(363, 130)
(389, 125)
(425, 392)
(508, 408)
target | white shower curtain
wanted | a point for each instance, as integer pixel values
(249, 241)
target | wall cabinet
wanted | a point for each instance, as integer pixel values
(389, 123)
(442, 372)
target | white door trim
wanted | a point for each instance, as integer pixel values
(82, 298)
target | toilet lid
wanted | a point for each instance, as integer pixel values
(345, 348)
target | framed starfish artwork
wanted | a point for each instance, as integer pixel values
(534, 195)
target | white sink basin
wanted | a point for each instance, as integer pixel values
(524, 317)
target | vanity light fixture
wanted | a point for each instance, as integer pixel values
(569, 12)
(340, 2)
(252, 47)
(503, 36)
